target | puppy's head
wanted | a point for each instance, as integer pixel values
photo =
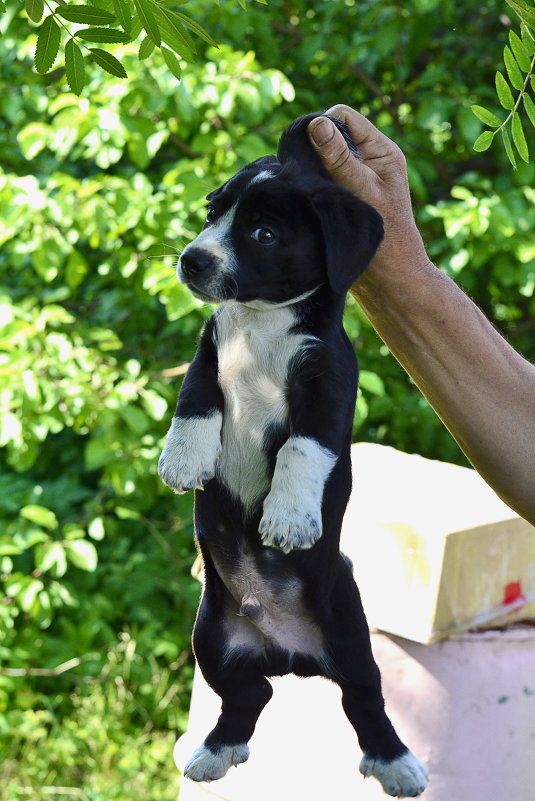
(280, 228)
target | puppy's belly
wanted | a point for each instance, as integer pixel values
(296, 635)
(265, 612)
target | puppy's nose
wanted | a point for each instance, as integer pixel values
(195, 261)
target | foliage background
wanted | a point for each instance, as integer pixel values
(97, 195)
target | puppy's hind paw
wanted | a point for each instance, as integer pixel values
(206, 765)
(403, 777)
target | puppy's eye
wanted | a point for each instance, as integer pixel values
(210, 213)
(264, 236)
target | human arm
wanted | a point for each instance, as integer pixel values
(480, 387)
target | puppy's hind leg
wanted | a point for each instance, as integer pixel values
(400, 773)
(244, 691)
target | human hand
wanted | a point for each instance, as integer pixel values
(379, 178)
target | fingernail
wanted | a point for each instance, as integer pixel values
(322, 131)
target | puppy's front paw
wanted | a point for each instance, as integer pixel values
(289, 528)
(191, 451)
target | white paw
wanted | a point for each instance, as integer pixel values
(206, 765)
(191, 451)
(289, 528)
(403, 777)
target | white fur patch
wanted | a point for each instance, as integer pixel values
(265, 175)
(292, 509)
(254, 351)
(214, 241)
(206, 765)
(191, 450)
(404, 777)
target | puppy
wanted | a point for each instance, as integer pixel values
(263, 427)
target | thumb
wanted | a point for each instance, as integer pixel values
(337, 158)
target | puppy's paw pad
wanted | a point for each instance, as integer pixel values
(206, 765)
(403, 777)
(289, 530)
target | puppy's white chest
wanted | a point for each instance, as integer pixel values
(254, 354)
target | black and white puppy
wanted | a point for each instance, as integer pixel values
(263, 427)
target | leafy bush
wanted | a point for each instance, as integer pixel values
(98, 194)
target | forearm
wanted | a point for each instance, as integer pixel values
(483, 391)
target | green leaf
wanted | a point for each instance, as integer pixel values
(519, 139)
(528, 41)
(484, 141)
(508, 148)
(85, 15)
(74, 67)
(33, 138)
(108, 62)
(41, 515)
(520, 51)
(172, 62)
(525, 12)
(371, 382)
(145, 48)
(96, 529)
(102, 35)
(47, 45)
(26, 597)
(148, 20)
(529, 105)
(124, 14)
(83, 554)
(486, 116)
(195, 27)
(51, 555)
(34, 9)
(173, 33)
(513, 72)
(504, 92)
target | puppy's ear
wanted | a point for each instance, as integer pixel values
(352, 232)
(295, 147)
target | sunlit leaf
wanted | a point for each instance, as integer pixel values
(123, 13)
(39, 514)
(145, 48)
(513, 72)
(145, 10)
(74, 67)
(85, 15)
(102, 35)
(518, 138)
(172, 62)
(504, 92)
(47, 47)
(520, 51)
(34, 9)
(484, 141)
(196, 28)
(486, 116)
(83, 554)
(108, 62)
(529, 105)
(508, 148)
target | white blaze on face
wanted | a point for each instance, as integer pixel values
(214, 241)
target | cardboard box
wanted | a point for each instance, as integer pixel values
(435, 551)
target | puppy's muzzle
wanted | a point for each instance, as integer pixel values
(196, 261)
